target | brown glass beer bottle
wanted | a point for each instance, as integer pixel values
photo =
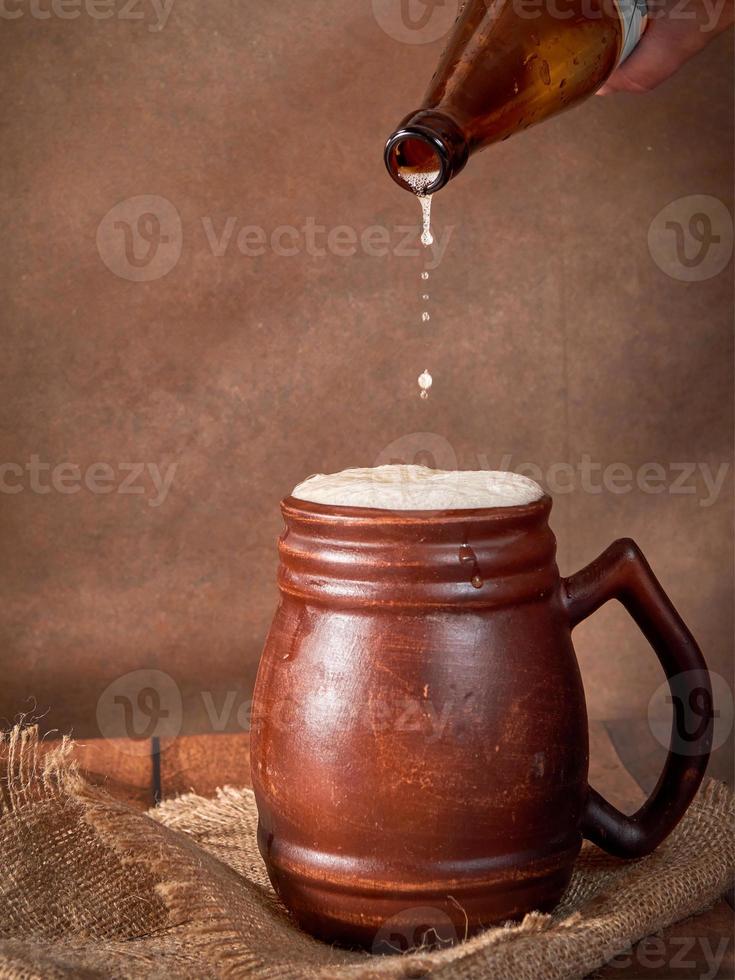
(508, 65)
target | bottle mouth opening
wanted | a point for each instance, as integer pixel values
(409, 153)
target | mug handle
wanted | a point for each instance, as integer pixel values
(621, 572)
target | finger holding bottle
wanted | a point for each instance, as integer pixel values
(675, 34)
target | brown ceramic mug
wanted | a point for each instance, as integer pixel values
(419, 736)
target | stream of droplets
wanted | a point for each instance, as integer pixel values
(418, 182)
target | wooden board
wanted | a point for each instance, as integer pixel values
(201, 763)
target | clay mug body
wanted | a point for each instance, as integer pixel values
(419, 738)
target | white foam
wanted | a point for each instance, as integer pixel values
(404, 487)
(419, 180)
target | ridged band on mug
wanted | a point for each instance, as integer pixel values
(365, 876)
(458, 559)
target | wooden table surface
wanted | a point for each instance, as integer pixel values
(145, 772)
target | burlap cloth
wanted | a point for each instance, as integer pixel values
(92, 888)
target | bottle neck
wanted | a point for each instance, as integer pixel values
(426, 142)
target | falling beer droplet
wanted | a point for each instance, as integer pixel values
(426, 237)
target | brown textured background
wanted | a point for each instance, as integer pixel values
(554, 334)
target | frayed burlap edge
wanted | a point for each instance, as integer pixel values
(181, 892)
(206, 920)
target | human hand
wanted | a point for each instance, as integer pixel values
(676, 32)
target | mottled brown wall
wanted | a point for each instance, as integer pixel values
(555, 334)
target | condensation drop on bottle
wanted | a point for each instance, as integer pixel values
(425, 316)
(424, 275)
(425, 296)
(425, 382)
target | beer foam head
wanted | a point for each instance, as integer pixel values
(403, 487)
(419, 180)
